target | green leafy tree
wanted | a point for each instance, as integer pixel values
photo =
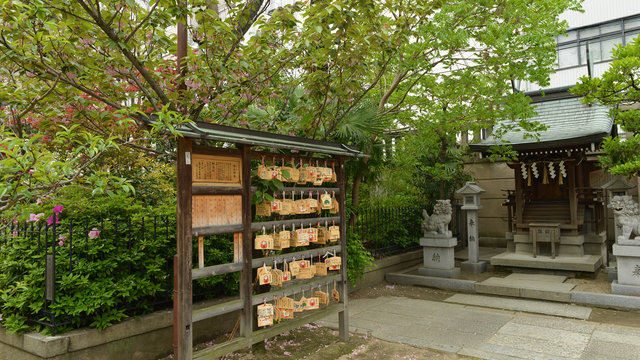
(304, 68)
(618, 88)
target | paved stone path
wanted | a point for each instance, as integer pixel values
(489, 333)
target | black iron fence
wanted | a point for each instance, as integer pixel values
(388, 230)
(57, 257)
(132, 261)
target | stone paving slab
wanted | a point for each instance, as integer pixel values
(544, 290)
(578, 326)
(482, 333)
(600, 349)
(492, 351)
(535, 345)
(528, 284)
(532, 306)
(537, 277)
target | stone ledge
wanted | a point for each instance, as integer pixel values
(606, 300)
(438, 242)
(128, 339)
(626, 250)
(435, 282)
(622, 289)
(443, 273)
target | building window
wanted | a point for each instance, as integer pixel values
(601, 39)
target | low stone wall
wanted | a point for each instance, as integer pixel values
(389, 264)
(146, 337)
(151, 336)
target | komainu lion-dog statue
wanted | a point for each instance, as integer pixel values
(627, 216)
(438, 222)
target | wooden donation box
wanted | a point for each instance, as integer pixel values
(544, 232)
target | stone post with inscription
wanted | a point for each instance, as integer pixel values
(471, 204)
(437, 243)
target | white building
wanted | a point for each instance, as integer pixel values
(602, 25)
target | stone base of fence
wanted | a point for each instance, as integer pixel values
(151, 336)
(142, 338)
(395, 263)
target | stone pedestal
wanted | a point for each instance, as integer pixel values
(439, 259)
(628, 262)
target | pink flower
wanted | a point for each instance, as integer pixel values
(35, 217)
(15, 234)
(287, 353)
(15, 221)
(60, 243)
(58, 209)
(50, 220)
(94, 233)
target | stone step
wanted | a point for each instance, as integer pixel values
(530, 306)
(537, 277)
(515, 287)
(586, 263)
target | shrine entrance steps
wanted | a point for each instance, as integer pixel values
(531, 286)
(585, 263)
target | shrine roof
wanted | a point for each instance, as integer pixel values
(569, 123)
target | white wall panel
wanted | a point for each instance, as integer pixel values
(596, 11)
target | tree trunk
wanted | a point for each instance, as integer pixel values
(355, 192)
(443, 159)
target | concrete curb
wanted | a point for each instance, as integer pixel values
(606, 300)
(430, 281)
(613, 301)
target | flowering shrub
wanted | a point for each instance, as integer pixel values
(106, 269)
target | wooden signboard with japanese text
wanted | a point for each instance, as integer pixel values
(212, 210)
(214, 170)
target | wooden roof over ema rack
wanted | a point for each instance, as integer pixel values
(302, 222)
(216, 132)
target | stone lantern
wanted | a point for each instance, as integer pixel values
(471, 204)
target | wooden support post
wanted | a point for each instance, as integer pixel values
(237, 247)
(246, 278)
(200, 252)
(183, 293)
(573, 197)
(343, 316)
(519, 197)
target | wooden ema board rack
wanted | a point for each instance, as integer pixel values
(214, 197)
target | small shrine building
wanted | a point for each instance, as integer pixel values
(557, 212)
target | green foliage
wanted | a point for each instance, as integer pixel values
(359, 260)
(110, 273)
(122, 272)
(617, 88)
(265, 190)
(389, 228)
